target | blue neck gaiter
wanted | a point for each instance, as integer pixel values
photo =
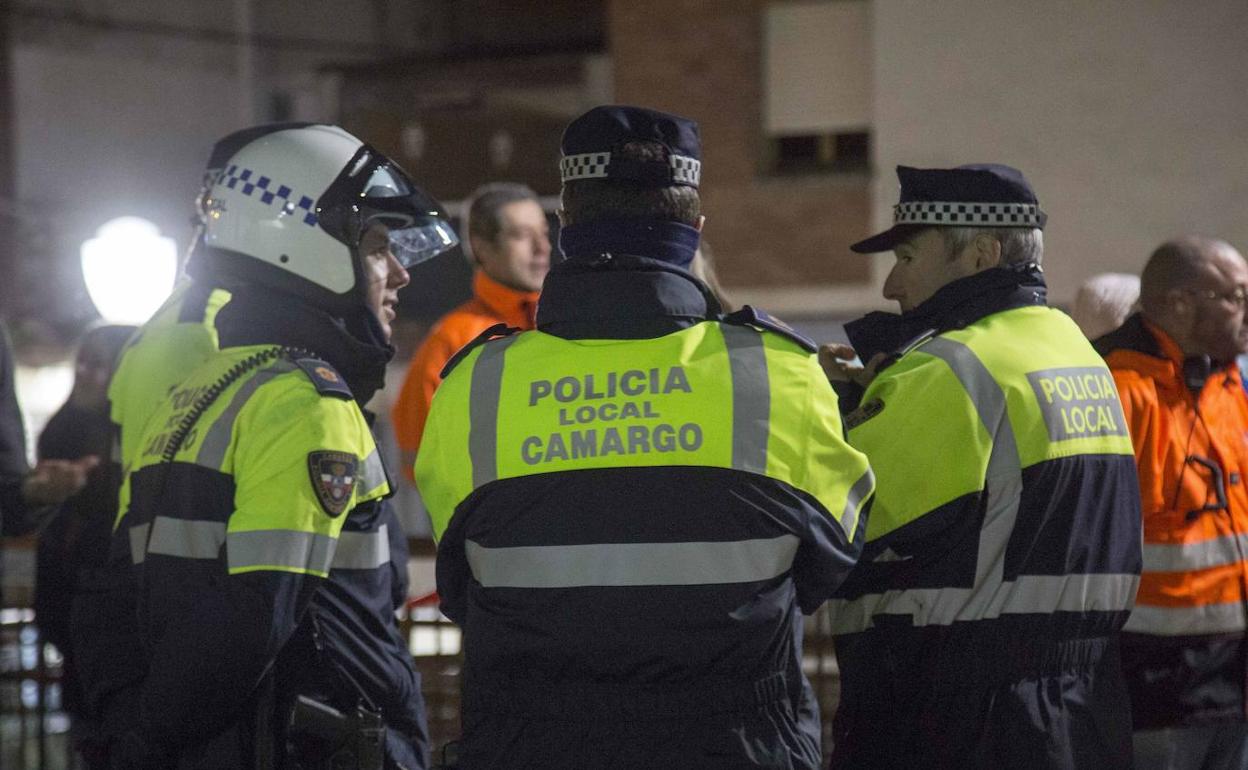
(670, 242)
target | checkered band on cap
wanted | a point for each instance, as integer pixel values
(590, 165)
(263, 188)
(968, 214)
(686, 170)
(593, 165)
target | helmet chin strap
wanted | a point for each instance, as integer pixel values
(366, 327)
(359, 320)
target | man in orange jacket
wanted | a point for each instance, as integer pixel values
(509, 244)
(1183, 648)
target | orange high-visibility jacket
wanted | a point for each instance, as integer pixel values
(491, 303)
(1183, 646)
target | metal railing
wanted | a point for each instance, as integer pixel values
(34, 732)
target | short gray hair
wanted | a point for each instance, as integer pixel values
(1019, 245)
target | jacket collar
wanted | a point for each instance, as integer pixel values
(515, 307)
(659, 239)
(259, 316)
(1138, 335)
(1147, 348)
(956, 305)
(621, 296)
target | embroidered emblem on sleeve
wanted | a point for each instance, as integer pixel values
(333, 479)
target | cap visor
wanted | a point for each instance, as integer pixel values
(888, 239)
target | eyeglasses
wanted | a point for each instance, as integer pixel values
(1237, 296)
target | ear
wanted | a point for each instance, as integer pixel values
(701, 222)
(987, 252)
(1178, 303)
(477, 247)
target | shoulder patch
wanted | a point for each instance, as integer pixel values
(326, 378)
(900, 352)
(751, 316)
(333, 477)
(863, 413)
(494, 332)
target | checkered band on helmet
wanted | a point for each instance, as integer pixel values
(593, 165)
(267, 191)
(961, 213)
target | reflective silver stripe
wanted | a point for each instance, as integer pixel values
(186, 539)
(1185, 557)
(1004, 478)
(373, 472)
(486, 387)
(362, 550)
(1040, 594)
(1181, 621)
(853, 505)
(138, 542)
(631, 564)
(1004, 485)
(751, 397)
(279, 549)
(212, 450)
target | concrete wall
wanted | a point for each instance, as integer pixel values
(1128, 118)
(99, 136)
(116, 105)
(817, 67)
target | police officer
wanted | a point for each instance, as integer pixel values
(255, 502)
(178, 337)
(634, 501)
(980, 627)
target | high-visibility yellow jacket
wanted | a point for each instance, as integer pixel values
(1003, 544)
(628, 529)
(175, 340)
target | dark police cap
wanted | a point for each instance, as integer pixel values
(591, 142)
(976, 195)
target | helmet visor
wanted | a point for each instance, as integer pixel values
(413, 245)
(373, 189)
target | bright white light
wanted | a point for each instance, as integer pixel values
(129, 268)
(41, 390)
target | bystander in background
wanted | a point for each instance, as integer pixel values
(1174, 364)
(76, 538)
(25, 494)
(508, 244)
(1104, 301)
(703, 268)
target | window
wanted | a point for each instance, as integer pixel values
(817, 81)
(841, 152)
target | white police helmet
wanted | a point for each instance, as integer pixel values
(290, 208)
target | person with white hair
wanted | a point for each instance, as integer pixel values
(1104, 301)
